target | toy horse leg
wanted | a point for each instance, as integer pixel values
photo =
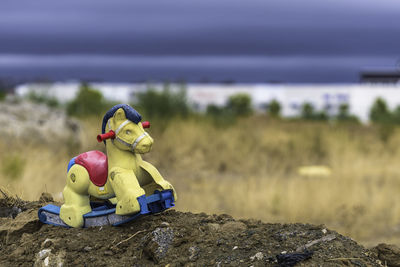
(154, 175)
(127, 189)
(76, 197)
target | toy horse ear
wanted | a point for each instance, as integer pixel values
(119, 115)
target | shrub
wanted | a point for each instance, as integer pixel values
(396, 115)
(274, 109)
(214, 110)
(379, 112)
(240, 105)
(344, 115)
(220, 116)
(307, 111)
(381, 115)
(165, 104)
(343, 112)
(3, 89)
(13, 166)
(320, 116)
(87, 102)
(43, 99)
(2, 94)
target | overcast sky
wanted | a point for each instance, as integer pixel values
(242, 40)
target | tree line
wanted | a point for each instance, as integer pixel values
(166, 103)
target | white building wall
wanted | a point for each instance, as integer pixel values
(323, 97)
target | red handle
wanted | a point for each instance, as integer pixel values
(111, 133)
(146, 124)
(102, 137)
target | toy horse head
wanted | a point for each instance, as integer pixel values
(125, 130)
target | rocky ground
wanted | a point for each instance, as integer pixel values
(175, 238)
(25, 120)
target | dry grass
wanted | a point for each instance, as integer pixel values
(249, 170)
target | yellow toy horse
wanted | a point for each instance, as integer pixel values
(121, 177)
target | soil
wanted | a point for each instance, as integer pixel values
(175, 238)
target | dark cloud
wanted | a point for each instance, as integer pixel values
(286, 28)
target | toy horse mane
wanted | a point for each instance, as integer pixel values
(130, 113)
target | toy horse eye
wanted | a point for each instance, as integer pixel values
(128, 131)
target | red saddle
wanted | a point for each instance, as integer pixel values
(95, 162)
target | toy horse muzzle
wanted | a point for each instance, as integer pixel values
(113, 135)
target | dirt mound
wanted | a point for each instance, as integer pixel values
(174, 239)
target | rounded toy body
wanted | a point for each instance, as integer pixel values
(121, 177)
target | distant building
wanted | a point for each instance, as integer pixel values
(380, 76)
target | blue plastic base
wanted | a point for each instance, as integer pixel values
(104, 213)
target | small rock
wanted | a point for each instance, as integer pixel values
(87, 248)
(389, 254)
(45, 258)
(193, 253)
(325, 238)
(46, 261)
(26, 238)
(324, 231)
(258, 256)
(18, 252)
(46, 197)
(233, 227)
(156, 243)
(108, 253)
(10, 212)
(44, 253)
(221, 241)
(47, 243)
(290, 259)
(213, 226)
(250, 232)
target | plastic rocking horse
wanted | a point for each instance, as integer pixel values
(130, 186)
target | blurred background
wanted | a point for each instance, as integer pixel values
(283, 111)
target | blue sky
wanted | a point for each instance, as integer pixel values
(240, 40)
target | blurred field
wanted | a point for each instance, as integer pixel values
(250, 170)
